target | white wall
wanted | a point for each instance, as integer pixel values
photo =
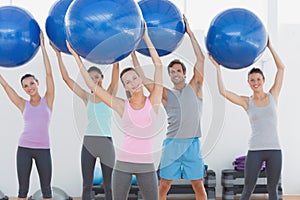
(226, 127)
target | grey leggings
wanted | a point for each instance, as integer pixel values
(254, 161)
(42, 159)
(93, 147)
(146, 179)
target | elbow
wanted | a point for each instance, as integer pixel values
(65, 79)
(282, 68)
(158, 64)
(222, 93)
(200, 58)
(49, 73)
(200, 61)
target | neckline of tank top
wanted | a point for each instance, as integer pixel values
(138, 109)
(35, 105)
(264, 106)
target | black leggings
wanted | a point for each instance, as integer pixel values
(43, 163)
(254, 161)
(93, 147)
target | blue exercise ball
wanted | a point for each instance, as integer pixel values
(236, 38)
(104, 31)
(97, 176)
(19, 36)
(165, 24)
(55, 24)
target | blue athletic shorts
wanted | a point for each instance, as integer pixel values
(181, 158)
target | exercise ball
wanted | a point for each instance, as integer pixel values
(104, 31)
(133, 180)
(55, 24)
(97, 176)
(165, 24)
(236, 38)
(19, 36)
(57, 194)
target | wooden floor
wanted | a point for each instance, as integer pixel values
(286, 197)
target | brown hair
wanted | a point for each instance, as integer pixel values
(176, 61)
(127, 70)
(95, 69)
(27, 76)
(256, 70)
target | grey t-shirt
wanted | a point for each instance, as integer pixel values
(184, 110)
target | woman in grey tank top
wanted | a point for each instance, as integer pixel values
(261, 108)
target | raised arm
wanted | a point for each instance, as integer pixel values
(157, 91)
(49, 95)
(113, 87)
(197, 79)
(12, 95)
(148, 83)
(234, 98)
(79, 91)
(276, 88)
(115, 103)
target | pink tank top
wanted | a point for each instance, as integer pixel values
(36, 125)
(139, 130)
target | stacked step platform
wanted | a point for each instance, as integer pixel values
(233, 183)
(183, 188)
(179, 188)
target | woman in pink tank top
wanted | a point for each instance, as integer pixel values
(137, 114)
(34, 142)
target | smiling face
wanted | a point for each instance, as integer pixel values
(177, 74)
(256, 81)
(131, 81)
(30, 85)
